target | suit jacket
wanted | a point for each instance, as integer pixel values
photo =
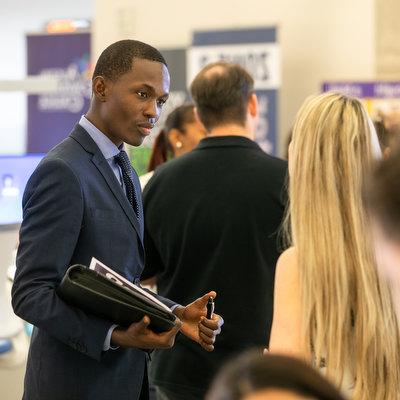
(212, 219)
(74, 209)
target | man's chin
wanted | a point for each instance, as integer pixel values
(135, 142)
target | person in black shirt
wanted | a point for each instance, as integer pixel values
(212, 218)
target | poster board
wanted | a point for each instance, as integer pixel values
(257, 50)
(51, 116)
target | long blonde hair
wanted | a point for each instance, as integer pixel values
(347, 313)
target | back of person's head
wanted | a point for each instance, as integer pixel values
(162, 147)
(252, 374)
(118, 58)
(221, 92)
(347, 310)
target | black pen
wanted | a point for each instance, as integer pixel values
(210, 308)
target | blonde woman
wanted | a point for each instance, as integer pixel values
(331, 307)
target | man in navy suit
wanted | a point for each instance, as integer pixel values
(76, 207)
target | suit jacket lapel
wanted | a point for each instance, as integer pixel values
(81, 136)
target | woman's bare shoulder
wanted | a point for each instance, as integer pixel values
(285, 332)
(286, 266)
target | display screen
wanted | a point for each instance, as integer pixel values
(14, 174)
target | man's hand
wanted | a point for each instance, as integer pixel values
(140, 336)
(196, 326)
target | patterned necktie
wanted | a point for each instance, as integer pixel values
(123, 161)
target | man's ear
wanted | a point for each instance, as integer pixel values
(99, 88)
(252, 105)
(196, 115)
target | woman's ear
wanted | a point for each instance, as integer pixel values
(174, 138)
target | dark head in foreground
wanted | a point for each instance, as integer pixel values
(270, 377)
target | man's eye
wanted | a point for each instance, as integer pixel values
(143, 95)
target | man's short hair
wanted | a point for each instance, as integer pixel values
(221, 92)
(117, 59)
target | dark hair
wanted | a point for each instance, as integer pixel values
(221, 91)
(383, 134)
(117, 58)
(383, 194)
(162, 149)
(252, 372)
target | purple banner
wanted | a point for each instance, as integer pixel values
(51, 116)
(365, 89)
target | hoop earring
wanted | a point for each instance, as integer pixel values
(178, 144)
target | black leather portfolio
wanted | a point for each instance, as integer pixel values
(98, 295)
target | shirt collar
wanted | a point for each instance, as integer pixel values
(106, 146)
(226, 140)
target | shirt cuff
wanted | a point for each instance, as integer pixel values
(173, 307)
(107, 340)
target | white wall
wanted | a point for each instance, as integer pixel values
(18, 17)
(320, 39)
